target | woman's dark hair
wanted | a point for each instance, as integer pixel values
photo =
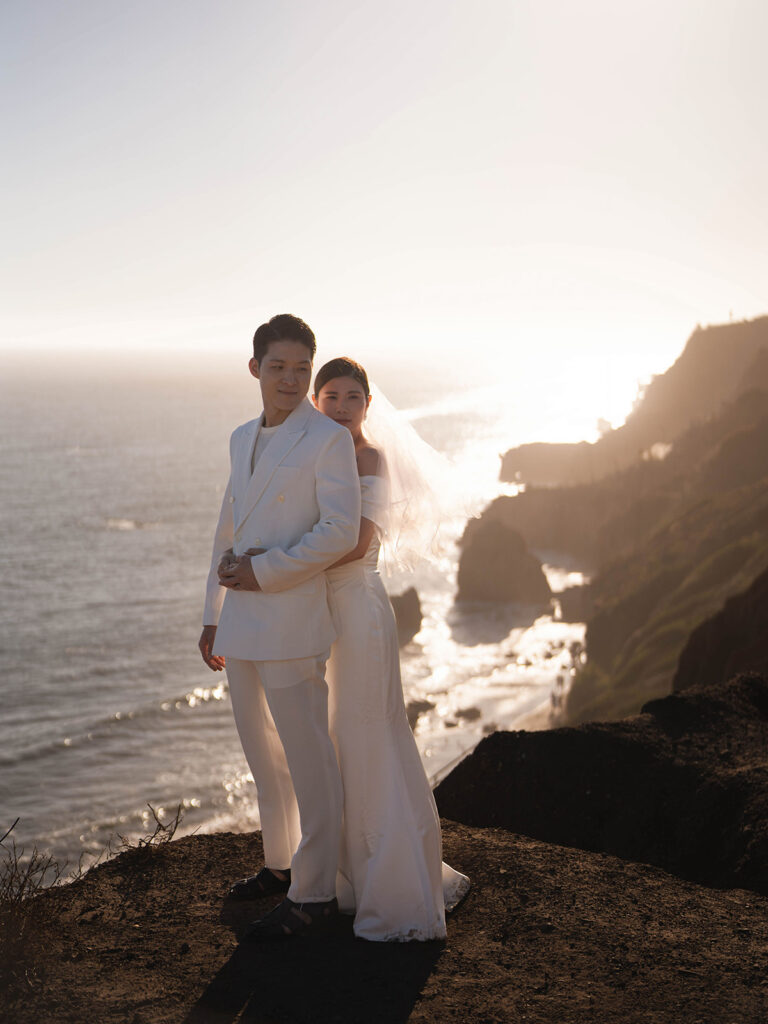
(283, 327)
(342, 366)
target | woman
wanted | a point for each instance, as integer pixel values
(391, 871)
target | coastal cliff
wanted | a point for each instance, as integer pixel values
(670, 523)
(733, 640)
(557, 930)
(683, 785)
(717, 364)
(619, 868)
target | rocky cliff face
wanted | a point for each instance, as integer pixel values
(610, 517)
(734, 640)
(716, 365)
(669, 538)
(683, 786)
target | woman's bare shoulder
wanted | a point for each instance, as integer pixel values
(370, 461)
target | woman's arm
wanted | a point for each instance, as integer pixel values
(369, 463)
(366, 533)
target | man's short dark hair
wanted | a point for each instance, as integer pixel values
(283, 327)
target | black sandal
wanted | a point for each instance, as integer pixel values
(266, 883)
(290, 919)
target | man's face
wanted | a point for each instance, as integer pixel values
(284, 373)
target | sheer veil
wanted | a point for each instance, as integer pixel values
(425, 491)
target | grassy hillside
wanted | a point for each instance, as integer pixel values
(647, 604)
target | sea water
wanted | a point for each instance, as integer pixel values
(111, 477)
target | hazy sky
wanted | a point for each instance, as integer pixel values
(507, 183)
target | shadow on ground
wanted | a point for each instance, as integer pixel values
(334, 978)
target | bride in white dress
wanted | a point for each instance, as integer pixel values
(391, 874)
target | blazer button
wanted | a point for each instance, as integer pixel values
(281, 497)
(231, 499)
(257, 540)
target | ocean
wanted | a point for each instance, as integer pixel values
(111, 475)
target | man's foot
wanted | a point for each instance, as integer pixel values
(266, 883)
(289, 919)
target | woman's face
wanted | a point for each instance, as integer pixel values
(343, 400)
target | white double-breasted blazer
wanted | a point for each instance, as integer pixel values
(302, 503)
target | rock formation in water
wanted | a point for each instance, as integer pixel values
(407, 609)
(495, 565)
(576, 604)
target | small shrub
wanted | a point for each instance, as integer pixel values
(163, 833)
(21, 878)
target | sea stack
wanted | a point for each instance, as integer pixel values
(496, 565)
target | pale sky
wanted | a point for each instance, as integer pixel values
(511, 183)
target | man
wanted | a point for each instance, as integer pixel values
(291, 509)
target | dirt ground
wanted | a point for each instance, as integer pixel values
(547, 934)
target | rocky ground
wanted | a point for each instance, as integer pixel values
(550, 933)
(683, 786)
(547, 934)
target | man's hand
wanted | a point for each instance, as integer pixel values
(215, 662)
(229, 559)
(226, 558)
(238, 575)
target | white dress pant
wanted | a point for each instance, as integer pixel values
(281, 713)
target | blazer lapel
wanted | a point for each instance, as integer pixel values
(276, 451)
(242, 469)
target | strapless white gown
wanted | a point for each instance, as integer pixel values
(391, 874)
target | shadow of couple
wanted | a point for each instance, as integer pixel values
(330, 978)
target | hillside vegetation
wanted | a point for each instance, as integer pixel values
(672, 523)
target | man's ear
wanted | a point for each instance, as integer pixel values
(253, 366)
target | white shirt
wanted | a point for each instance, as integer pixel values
(263, 438)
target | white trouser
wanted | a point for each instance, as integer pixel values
(283, 728)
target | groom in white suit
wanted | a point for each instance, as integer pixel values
(291, 509)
